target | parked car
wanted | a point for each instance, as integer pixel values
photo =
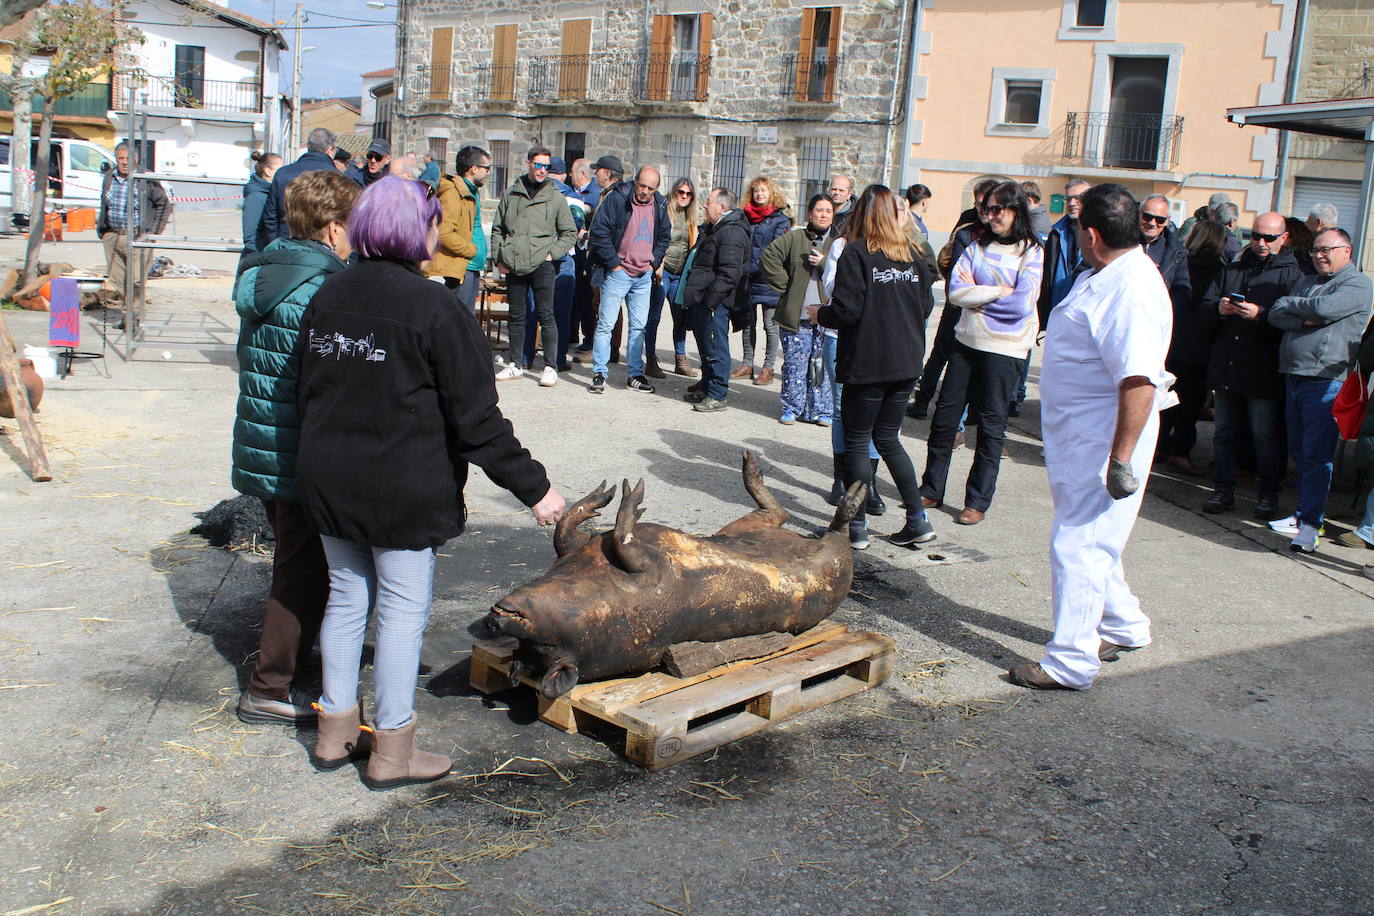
(75, 172)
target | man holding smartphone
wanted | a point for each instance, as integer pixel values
(1243, 371)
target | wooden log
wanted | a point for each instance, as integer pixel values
(688, 659)
(23, 414)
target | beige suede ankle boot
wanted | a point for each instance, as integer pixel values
(342, 737)
(396, 761)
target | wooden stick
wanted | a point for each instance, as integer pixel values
(23, 413)
(686, 659)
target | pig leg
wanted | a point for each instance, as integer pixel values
(769, 514)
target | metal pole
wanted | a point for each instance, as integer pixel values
(296, 89)
(128, 291)
(1361, 233)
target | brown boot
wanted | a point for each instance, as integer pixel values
(765, 377)
(743, 370)
(395, 760)
(684, 368)
(651, 367)
(342, 738)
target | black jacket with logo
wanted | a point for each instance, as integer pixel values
(880, 307)
(396, 399)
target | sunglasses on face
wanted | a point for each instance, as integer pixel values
(1151, 218)
(1271, 239)
(540, 165)
(373, 157)
(997, 210)
(683, 192)
(1325, 250)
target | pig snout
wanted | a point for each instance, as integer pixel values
(502, 621)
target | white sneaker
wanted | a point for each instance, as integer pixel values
(1288, 526)
(511, 371)
(549, 378)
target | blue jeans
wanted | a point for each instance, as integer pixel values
(664, 292)
(836, 393)
(1366, 529)
(711, 326)
(1263, 416)
(1312, 441)
(398, 585)
(620, 287)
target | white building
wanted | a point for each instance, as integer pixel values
(211, 93)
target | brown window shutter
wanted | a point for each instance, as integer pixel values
(803, 70)
(660, 56)
(577, 47)
(503, 63)
(703, 55)
(834, 50)
(441, 64)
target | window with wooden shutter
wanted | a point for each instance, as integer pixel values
(503, 64)
(577, 48)
(441, 64)
(703, 55)
(660, 56)
(818, 55)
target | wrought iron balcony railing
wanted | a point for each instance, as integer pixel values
(810, 79)
(497, 81)
(189, 91)
(1104, 139)
(618, 77)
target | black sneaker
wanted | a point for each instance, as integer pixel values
(1218, 502)
(918, 409)
(1267, 508)
(639, 383)
(598, 383)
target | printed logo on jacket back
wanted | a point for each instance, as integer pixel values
(893, 275)
(339, 346)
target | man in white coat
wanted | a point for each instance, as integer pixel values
(1101, 389)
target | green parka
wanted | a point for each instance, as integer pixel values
(274, 288)
(531, 229)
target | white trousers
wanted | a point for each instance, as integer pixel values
(1091, 599)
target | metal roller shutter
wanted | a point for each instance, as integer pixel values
(1344, 194)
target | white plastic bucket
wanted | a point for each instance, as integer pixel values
(44, 363)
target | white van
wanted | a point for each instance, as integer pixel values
(75, 172)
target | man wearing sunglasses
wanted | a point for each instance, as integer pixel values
(1243, 370)
(532, 232)
(1321, 335)
(376, 161)
(1187, 352)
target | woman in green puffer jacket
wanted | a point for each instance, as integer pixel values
(273, 290)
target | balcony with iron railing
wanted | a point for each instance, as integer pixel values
(811, 80)
(91, 102)
(1102, 139)
(618, 77)
(191, 92)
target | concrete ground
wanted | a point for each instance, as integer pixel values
(1226, 767)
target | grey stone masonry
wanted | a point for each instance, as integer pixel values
(633, 98)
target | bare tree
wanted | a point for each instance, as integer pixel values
(80, 40)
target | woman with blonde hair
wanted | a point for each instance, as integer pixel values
(685, 216)
(880, 305)
(765, 210)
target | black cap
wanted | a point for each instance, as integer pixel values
(610, 164)
(342, 155)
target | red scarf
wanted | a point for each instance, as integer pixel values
(757, 214)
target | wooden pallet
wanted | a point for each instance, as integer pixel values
(666, 719)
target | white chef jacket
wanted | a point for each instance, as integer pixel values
(1114, 324)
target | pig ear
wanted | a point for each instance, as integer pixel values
(558, 680)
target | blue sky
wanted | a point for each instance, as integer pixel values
(342, 55)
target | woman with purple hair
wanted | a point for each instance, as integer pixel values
(396, 400)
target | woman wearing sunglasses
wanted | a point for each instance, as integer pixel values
(995, 284)
(683, 214)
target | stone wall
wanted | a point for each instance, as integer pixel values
(745, 88)
(1337, 63)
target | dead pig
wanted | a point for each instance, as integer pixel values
(613, 603)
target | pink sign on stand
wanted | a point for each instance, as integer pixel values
(64, 320)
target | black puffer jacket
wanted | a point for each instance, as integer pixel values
(720, 271)
(396, 398)
(1245, 354)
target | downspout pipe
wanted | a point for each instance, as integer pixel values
(897, 75)
(1290, 95)
(913, 76)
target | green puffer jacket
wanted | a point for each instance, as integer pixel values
(531, 229)
(274, 288)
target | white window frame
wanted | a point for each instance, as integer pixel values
(1070, 30)
(1100, 91)
(997, 101)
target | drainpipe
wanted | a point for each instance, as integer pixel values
(896, 85)
(1289, 96)
(913, 68)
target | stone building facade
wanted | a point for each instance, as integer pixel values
(1336, 61)
(715, 92)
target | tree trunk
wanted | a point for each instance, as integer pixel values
(40, 193)
(20, 148)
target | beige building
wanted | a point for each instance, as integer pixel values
(719, 93)
(1131, 91)
(337, 115)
